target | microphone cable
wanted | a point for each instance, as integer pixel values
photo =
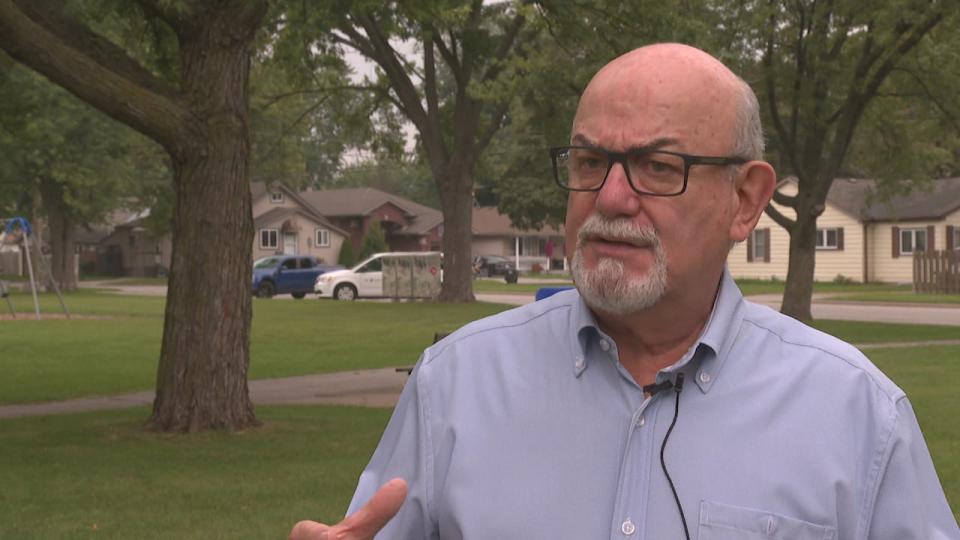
(677, 388)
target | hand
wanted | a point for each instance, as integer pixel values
(362, 524)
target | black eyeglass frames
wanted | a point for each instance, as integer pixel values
(659, 173)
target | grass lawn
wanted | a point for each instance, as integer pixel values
(95, 475)
(500, 286)
(760, 286)
(898, 297)
(57, 359)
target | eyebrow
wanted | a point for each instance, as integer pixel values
(656, 144)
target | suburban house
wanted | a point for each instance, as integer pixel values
(407, 226)
(493, 234)
(128, 249)
(859, 236)
(285, 223)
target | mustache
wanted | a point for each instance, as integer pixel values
(617, 230)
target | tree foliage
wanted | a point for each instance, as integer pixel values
(81, 164)
(455, 92)
(824, 71)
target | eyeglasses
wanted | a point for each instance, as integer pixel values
(649, 172)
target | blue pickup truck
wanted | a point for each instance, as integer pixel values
(287, 274)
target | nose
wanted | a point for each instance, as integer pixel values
(616, 197)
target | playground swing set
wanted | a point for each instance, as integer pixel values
(17, 231)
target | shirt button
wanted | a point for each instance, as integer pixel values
(579, 363)
(641, 422)
(604, 345)
(704, 377)
(628, 528)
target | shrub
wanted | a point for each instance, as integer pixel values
(843, 280)
(374, 241)
(536, 268)
(346, 257)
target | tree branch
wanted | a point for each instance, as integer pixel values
(165, 13)
(273, 99)
(379, 50)
(92, 68)
(784, 199)
(779, 218)
(769, 77)
(506, 44)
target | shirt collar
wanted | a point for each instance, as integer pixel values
(715, 341)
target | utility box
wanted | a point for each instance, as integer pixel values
(412, 275)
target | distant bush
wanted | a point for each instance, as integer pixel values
(374, 241)
(346, 257)
(536, 268)
(843, 280)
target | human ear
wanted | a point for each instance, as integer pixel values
(754, 187)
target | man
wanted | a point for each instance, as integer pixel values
(553, 420)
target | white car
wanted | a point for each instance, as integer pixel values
(365, 280)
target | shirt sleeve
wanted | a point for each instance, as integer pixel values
(402, 453)
(910, 503)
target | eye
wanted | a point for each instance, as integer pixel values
(587, 161)
(657, 164)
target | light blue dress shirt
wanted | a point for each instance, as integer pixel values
(525, 425)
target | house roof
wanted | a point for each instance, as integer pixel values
(307, 209)
(860, 199)
(488, 221)
(361, 201)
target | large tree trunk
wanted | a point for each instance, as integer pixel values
(63, 251)
(63, 246)
(798, 293)
(202, 375)
(456, 197)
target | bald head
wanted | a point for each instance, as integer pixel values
(683, 83)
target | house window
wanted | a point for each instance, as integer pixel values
(953, 237)
(268, 238)
(830, 238)
(912, 240)
(276, 197)
(758, 246)
(323, 238)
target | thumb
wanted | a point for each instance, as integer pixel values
(374, 515)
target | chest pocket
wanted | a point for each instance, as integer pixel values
(725, 522)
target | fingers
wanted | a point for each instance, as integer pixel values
(309, 530)
(366, 522)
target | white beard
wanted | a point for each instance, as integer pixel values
(606, 287)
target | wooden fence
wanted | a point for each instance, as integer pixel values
(936, 272)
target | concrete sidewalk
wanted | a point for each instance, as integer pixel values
(366, 388)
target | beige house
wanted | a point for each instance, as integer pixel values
(284, 223)
(493, 234)
(859, 236)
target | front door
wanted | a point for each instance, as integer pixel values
(289, 243)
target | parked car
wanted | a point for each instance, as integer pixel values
(491, 265)
(365, 280)
(287, 274)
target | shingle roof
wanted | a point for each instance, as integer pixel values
(488, 221)
(362, 201)
(931, 200)
(258, 189)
